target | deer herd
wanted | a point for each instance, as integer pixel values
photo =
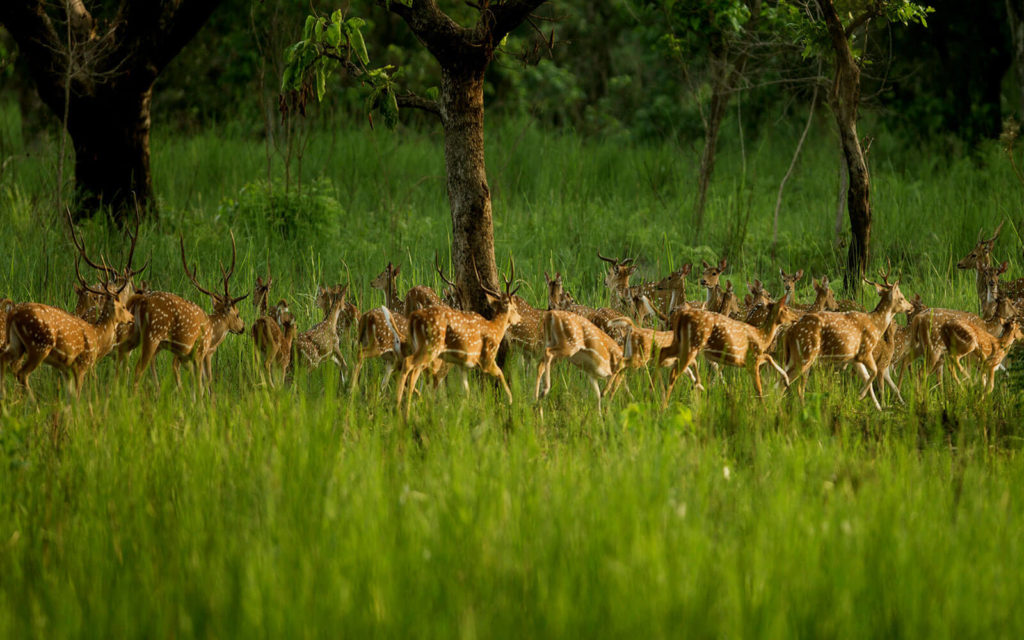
(647, 325)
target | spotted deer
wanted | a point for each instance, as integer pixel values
(640, 345)
(6, 304)
(789, 281)
(261, 293)
(44, 334)
(841, 337)
(602, 317)
(709, 280)
(571, 336)
(758, 296)
(977, 259)
(462, 338)
(273, 334)
(924, 330)
(726, 341)
(165, 321)
(824, 300)
(960, 339)
(376, 337)
(321, 341)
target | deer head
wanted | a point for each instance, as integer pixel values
(711, 274)
(619, 272)
(224, 305)
(979, 255)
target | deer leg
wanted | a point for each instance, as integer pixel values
(34, 359)
(389, 369)
(360, 358)
(495, 370)
(146, 353)
(887, 377)
(465, 379)
(755, 372)
(542, 367)
(865, 370)
(775, 365)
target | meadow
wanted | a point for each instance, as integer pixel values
(305, 512)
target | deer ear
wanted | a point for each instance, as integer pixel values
(782, 273)
(687, 268)
(705, 263)
(1002, 268)
(723, 264)
(799, 274)
(631, 268)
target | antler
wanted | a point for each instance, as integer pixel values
(440, 272)
(995, 234)
(80, 246)
(130, 273)
(615, 261)
(191, 274)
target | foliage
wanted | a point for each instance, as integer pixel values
(305, 213)
(335, 44)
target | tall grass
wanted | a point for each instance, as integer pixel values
(307, 512)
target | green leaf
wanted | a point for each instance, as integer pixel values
(432, 93)
(307, 30)
(389, 109)
(321, 85)
(287, 78)
(333, 35)
(336, 16)
(355, 39)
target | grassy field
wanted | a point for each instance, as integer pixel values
(305, 512)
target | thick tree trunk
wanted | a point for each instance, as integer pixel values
(844, 99)
(462, 112)
(101, 71)
(110, 135)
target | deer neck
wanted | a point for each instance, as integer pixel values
(766, 334)
(882, 314)
(105, 329)
(218, 328)
(391, 296)
(714, 298)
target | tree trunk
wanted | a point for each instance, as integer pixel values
(1015, 11)
(110, 134)
(844, 100)
(720, 90)
(102, 71)
(462, 112)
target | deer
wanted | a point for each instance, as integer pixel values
(725, 341)
(789, 281)
(6, 304)
(640, 345)
(603, 317)
(261, 293)
(377, 331)
(894, 346)
(842, 337)
(44, 334)
(930, 328)
(824, 300)
(321, 341)
(960, 339)
(165, 321)
(758, 296)
(617, 281)
(273, 334)
(462, 338)
(709, 280)
(573, 337)
(978, 258)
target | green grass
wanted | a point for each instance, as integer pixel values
(304, 512)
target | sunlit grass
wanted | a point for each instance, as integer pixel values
(304, 512)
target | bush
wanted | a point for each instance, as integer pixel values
(293, 213)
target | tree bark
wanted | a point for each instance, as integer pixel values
(844, 100)
(106, 82)
(464, 55)
(462, 112)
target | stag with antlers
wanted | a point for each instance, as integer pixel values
(44, 334)
(167, 321)
(463, 338)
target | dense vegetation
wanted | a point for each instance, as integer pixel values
(315, 509)
(295, 510)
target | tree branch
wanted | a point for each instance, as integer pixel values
(34, 33)
(413, 101)
(510, 14)
(444, 38)
(859, 21)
